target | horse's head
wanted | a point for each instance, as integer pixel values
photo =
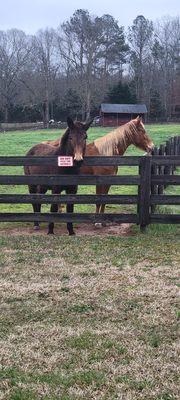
(141, 138)
(76, 138)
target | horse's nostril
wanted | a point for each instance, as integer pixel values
(78, 157)
(150, 147)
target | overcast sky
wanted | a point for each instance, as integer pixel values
(31, 15)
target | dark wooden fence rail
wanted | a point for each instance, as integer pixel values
(151, 176)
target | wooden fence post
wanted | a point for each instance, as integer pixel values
(144, 192)
(178, 145)
(172, 153)
(175, 148)
(167, 169)
(154, 171)
(161, 168)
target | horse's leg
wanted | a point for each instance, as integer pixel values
(70, 209)
(99, 190)
(36, 206)
(54, 208)
(103, 189)
(98, 205)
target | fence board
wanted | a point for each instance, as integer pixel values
(165, 199)
(166, 179)
(69, 180)
(165, 219)
(67, 217)
(165, 160)
(70, 198)
(89, 161)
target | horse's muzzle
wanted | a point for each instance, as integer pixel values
(78, 163)
(149, 149)
(78, 157)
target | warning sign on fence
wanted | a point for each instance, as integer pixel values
(65, 161)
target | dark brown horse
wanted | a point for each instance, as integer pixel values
(114, 143)
(73, 143)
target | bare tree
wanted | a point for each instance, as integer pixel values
(45, 68)
(15, 49)
(166, 53)
(92, 48)
(140, 36)
(72, 68)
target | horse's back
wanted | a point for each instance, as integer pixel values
(41, 150)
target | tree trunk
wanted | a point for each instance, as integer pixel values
(6, 113)
(51, 110)
(47, 106)
(88, 104)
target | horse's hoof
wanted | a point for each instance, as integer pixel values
(36, 228)
(50, 233)
(98, 225)
(71, 233)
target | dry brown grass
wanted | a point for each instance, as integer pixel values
(89, 318)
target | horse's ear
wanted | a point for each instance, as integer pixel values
(70, 123)
(138, 120)
(88, 124)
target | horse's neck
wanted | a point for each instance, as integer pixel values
(122, 143)
(63, 148)
(125, 138)
(115, 142)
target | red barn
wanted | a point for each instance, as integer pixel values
(119, 114)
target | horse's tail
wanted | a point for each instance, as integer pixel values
(27, 170)
(30, 153)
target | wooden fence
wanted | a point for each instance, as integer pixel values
(154, 174)
(171, 147)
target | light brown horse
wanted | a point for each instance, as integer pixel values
(114, 143)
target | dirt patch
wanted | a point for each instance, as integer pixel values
(80, 230)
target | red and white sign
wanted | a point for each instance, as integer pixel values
(65, 161)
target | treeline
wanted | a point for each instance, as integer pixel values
(85, 61)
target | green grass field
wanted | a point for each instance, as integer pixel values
(88, 317)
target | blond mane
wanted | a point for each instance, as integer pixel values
(120, 137)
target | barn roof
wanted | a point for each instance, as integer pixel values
(124, 108)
